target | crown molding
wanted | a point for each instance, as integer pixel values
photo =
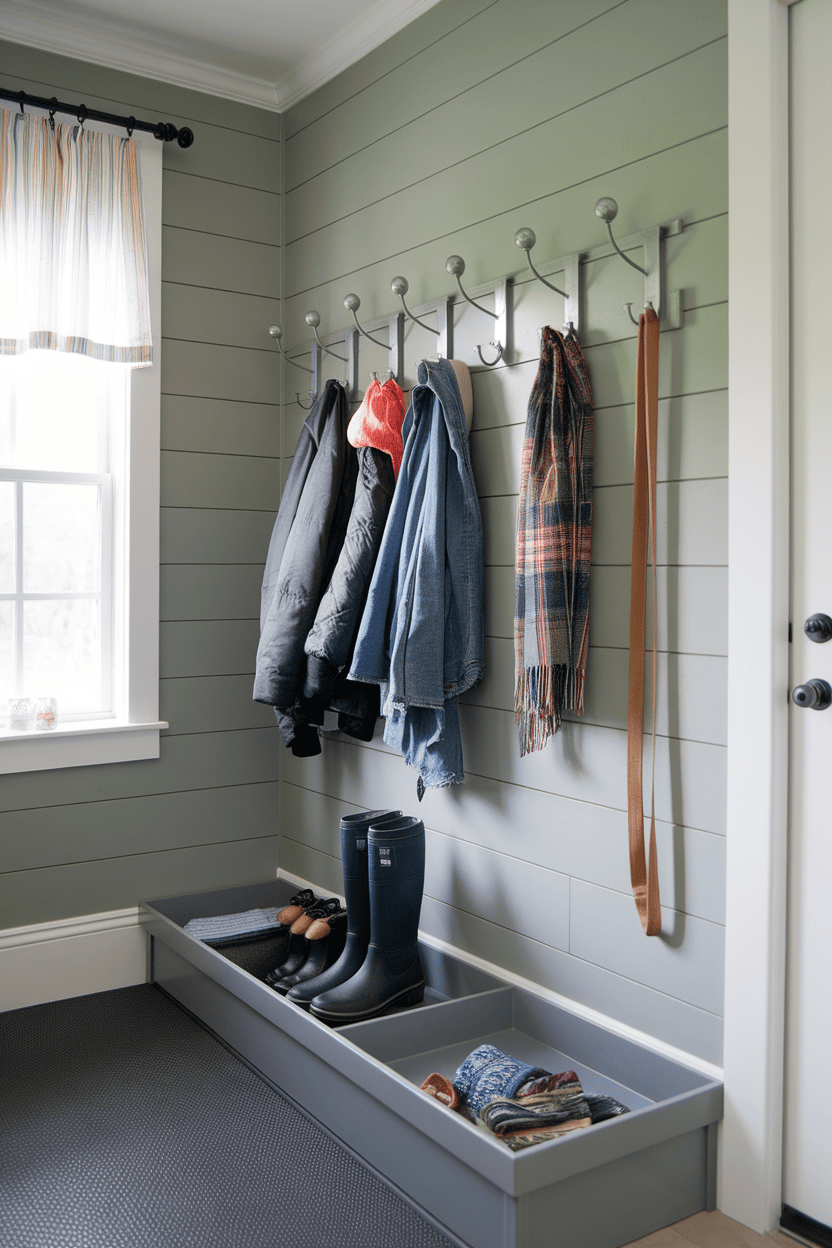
(42, 26)
(37, 26)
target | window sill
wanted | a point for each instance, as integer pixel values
(80, 744)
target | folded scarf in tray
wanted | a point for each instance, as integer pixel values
(522, 1104)
(223, 928)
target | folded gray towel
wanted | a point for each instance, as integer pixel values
(221, 927)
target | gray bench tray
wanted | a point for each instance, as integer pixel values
(596, 1188)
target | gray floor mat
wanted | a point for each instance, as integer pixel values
(125, 1124)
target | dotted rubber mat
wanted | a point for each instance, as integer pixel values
(125, 1124)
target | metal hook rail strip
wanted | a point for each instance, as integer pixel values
(606, 209)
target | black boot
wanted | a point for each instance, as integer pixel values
(298, 948)
(392, 971)
(354, 830)
(325, 940)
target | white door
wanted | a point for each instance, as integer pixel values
(807, 1185)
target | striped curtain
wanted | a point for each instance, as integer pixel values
(73, 250)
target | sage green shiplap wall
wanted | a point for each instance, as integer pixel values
(91, 839)
(481, 117)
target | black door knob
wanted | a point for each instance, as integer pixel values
(818, 627)
(816, 694)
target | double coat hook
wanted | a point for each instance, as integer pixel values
(352, 303)
(276, 332)
(606, 209)
(456, 266)
(525, 239)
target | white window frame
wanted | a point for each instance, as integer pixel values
(134, 732)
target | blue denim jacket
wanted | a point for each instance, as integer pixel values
(421, 633)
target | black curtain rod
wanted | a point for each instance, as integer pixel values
(162, 130)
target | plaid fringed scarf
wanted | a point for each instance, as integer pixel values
(554, 543)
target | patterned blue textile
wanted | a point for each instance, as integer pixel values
(488, 1073)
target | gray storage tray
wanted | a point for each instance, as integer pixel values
(600, 1187)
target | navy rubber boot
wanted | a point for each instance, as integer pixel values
(354, 829)
(391, 974)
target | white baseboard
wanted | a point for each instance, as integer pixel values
(574, 1007)
(71, 958)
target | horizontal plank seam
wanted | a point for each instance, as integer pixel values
(557, 948)
(517, 785)
(525, 862)
(191, 229)
(679, 827)
(494, 216)
(169, 281)
(626, 565)
(179, 450)
(200, 675)
(458, 96)
(173, 849)
(181, 563)
(134, 797)
(205, 177)
(211, 398)
(625, 485)
(227, 346)
(492, 147)
(429, 49)
(604, 407)
(210, 619)
(255, 511)
(587, 962)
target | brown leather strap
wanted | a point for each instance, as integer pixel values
(645, 881)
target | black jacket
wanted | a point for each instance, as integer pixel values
(307, 539)
(330, 641)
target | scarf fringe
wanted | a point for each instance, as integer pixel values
(542, 694)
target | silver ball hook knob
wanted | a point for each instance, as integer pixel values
(352, 303)
(455, 265)
(400, 286)
(525, 238)
(276, 331)
(313, 319)
(607, 209)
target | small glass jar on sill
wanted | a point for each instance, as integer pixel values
(46, 714)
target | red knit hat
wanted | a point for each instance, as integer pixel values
(378, 421)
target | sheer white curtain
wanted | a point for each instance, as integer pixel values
(73, 251)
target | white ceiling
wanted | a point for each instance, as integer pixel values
(265, 52)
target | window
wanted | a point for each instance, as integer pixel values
(79, 515)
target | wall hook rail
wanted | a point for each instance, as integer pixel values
(352, 303)
(667, 305)
(313, 320)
